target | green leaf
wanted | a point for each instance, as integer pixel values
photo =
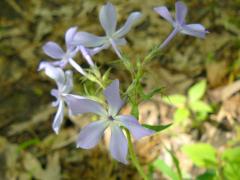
(157, 128)
(232, 155)
(203, 155)
(180, 115)
(165, 169)
(231, 161)
(201, 116)
(176, 100)
(208, 175)
(200, 106)
(28, 143)
(197, 91)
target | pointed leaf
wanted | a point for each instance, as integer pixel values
(181, 114)
(165, 169)
(156, 128)
(197, 91)
(200, 106)
(176, 100)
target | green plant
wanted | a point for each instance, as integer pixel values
(192, 105)
(219, 165)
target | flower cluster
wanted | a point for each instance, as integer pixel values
(89, 45)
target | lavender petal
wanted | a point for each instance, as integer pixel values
(88, 40)
(108, 18)
(69, 35)
(131, 123)
(53, 50)
(181, 12)
(196, 30)
(118, 145)
(163, 11)
(132, 19)
(113, 97)
(81, 105)
(91, 134)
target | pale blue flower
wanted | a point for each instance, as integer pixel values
(92, 133)
(53, 50)
(179, 23)
(114, 38)
(64, 86)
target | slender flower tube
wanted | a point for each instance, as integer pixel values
(179, 24)
(114, 38)
(110, 118)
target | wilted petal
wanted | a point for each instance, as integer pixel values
(81, 105)
(68, 85)
(69, 35)
(163, 11)
(181, 12)
(53, 50)
(196, 30)
(131, 123)
(132, 19)
(88, 40)
(118, 145)
(113, 97)
(58, 117)
(91, 134)
(108, 19)
(42, 65)
(55, 93)
(54, 73)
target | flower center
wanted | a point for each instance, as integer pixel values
(110, 118)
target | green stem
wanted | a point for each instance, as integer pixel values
(134, 157)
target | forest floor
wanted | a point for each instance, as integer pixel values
(28, 146)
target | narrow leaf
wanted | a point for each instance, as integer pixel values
(157, 128)
(165, 169)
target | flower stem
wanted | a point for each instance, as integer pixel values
(134, 157)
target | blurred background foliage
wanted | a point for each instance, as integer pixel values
(208, 69)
